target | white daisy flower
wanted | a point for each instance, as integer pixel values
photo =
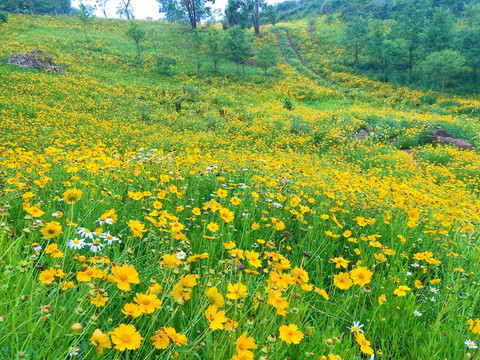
(356, 327)
(109, 238)
(74, 351)
(415, 265)
(180, 255)
(96, 246)
(36, 247)
(417, 313)
(435, 291)
(277, 205)
(108, 221)
(76, 244)
(85, 233)
(471, 344)
(56, 214)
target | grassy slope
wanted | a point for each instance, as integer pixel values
(80, 128)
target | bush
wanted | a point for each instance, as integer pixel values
(3, 17)
(164, 65)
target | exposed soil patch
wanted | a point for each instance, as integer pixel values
(35, 59)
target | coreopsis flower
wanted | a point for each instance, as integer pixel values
(100, 341)
(215, 318)
(290, 334)
(99, 300)
(342, 281)
(213, 227)
(124, 276)
(212, 293)
(226, 215)
(277, 224)
(278, 302)
(197, 257)
(340, 262)
(253, 258)
(300, 276)
(51, 229)
(236, 291)
(160, 339)
(222, 193)
(108, 217)
(53, 251)
(70, 196)
(401, 290)
(126, 337)
(137, 228)
(90, 273)
(170, 261)
(147, 303)
(47, 275)
(361, 275)
(132, 310)
(322, 293)
(364, 343)
(244, 344)
(177, 338)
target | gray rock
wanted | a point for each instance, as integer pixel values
(35, 59)
(459, 143)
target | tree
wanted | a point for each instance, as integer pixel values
(31, 5)
(266, 54)
(152, 36)
(443, 64)
(269, 14)
(438, 31)
(355, 35)
(195, 45)
(191, 10)
(213, 40)
(469, 46)
(237, 12)
(394, 52)
(137, 34)
(102, 5)
(255, 6)
(237, 46)
(125, 8)
(85, 14)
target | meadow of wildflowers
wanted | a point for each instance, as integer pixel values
(233, 228)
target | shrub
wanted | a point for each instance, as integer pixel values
(165, 64)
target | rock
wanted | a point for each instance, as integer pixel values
(35, 59)
(459, 143)
(407, 151)
(442, 133)
(362, 134)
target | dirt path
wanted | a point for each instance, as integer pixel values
(295, 50)
(280, 47)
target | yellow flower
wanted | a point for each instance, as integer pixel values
(364, 343)
(361, 276)
(147, 303)
(126, 337)
(137, 228)
(212, 293)
(235, 201)
(244, 344)
(213, 227)
(70, 196)
(100, 340)
(132, 310)
(221, 193)
(51, 229)
(290, 334)
(236, 291)
(255, 226)
(215, 318)
(342, 281)
(401, 290)
(124, 276)
(340, 262)
(99, 300)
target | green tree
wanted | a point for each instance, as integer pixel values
(269, 14)
(355, 35)
(237, 12)
(237, 46)
(102, 5)
(266, 54)
(394, 52)
(190, 10)
(137, 34)
(437, 34)
(213, 39)
(85, 14)
(442, 65)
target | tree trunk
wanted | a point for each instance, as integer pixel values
(215, 66)
(356, 55)
(256, 18)
(238, 69)
(474, 79)
(410, 65)
(266, 75)
(443, 83)
(139, 54)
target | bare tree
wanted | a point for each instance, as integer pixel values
(102, 5)
(30, 4)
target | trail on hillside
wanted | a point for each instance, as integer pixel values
(297, 55)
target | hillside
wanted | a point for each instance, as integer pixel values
(318, 199)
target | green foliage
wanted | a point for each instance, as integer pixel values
(266, 54)
(237, 46)
(85, 13)
(137, 34)
(3, 17)
(165, 64)
(442, 64)
(185, 10)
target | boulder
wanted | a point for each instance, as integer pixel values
(35, 59)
